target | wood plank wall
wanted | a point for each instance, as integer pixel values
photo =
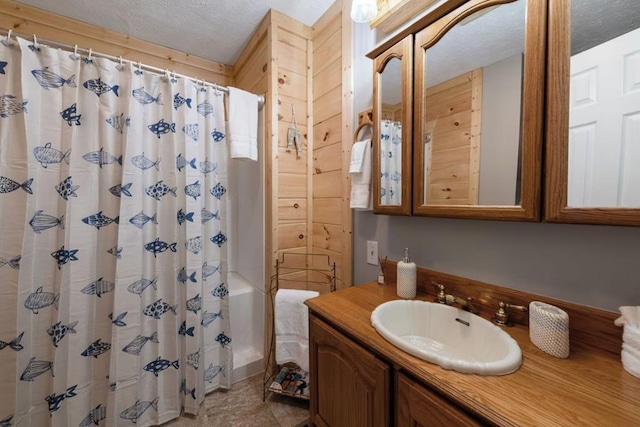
(332, 134)
(276, 62)
(48, 26)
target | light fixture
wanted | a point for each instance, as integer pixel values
(363, 10)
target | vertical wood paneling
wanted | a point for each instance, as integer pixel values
(328, 52)
(328, 104)
(327, 184)
(332, 124)
(348, 117)
(328, 79)
(327, 159)
(327, 211)
(288, 162)
(328, 132)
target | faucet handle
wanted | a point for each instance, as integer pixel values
(441, 297)
(502, 315)
(507, 305)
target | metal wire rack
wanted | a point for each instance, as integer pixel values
(315, 271)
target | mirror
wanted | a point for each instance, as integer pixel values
(391, 133)
(392, 130)
(479, 92)
(594, 149)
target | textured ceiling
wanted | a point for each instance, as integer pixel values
(214, 29)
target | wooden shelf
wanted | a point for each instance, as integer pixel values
(394, 13)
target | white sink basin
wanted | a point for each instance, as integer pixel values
(439, 334)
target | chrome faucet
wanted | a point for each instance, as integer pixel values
(444, 298)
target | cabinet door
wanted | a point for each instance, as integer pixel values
(349, 385)
(418, 406)
(392, 130)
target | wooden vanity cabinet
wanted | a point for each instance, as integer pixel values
(349, 386)
(417, 406)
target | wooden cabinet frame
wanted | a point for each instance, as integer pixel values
(531, 118)
(403, 51)
(557, 132)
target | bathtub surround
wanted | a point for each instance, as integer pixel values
(246, 306)
(115, 238)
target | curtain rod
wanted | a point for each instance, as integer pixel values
(139, 65)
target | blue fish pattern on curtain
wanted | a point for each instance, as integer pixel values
(390, 162)
(113, 260)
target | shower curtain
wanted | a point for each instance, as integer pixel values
(390, 163)
(113, 302)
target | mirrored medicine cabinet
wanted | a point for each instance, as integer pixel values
(476, 110)
(593, 116)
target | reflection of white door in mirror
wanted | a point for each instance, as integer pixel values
(604, 125)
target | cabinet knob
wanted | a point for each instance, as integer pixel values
(300, 236)
(295, 205)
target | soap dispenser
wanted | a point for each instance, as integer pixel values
(406, 277)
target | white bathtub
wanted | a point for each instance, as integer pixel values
(246, 312)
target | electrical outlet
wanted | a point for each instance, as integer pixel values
(372, 252)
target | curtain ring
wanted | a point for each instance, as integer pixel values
(120, 66)
(90, 53)
(8, 42)
(35, 41)
(75, 55)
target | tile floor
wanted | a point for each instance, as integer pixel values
(242, 406)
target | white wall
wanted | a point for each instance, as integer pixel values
(500, 141)
(591, 265)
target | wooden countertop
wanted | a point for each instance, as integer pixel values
(590, 388)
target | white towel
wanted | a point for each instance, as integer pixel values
(292, 326)
(631, 336)
(361, 182)
(243, 124)
(357, 156)
(630, 357)
(630, 316)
